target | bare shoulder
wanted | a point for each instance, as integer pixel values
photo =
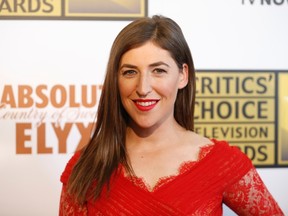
(193, 143)
(198, 140)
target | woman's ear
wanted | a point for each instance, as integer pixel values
(184, 74)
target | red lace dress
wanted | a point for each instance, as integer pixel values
(222, 174)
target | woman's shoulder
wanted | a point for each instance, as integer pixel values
(204, 142)
(69, 167)
(224, 145)
(230, 154)
(198, 140)
(221, 147)
(227, 159)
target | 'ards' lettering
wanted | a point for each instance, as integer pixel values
(72, 9)
(30, 8)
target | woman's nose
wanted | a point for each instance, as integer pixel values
(143, 86)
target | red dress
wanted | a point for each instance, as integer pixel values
(222, 174)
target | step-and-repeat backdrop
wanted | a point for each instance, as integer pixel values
(53, 56)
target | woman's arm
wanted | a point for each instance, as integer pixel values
(68, 207)
(249, 196)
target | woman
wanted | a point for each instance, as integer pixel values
(144, 158)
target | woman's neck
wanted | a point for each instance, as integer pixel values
(153, 137)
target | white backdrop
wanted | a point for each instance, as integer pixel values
(222, 34)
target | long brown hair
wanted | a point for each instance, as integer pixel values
(101, 156)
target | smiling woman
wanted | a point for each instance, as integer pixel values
(143, 157)
(149, 80)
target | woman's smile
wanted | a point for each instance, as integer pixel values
(145, 104)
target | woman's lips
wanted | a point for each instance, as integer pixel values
(145, 105)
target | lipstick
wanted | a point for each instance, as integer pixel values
(145, 104)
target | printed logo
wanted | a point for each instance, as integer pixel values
(72, 9)
(29, 8)
(241, 107)
(43, 113)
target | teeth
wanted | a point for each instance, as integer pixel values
(148, 103)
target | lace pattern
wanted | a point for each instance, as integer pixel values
(183, 168)
(249, 196)
(69, 208)
(198, 188)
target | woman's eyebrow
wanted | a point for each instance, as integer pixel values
(127, 66)
(155, 64)
(158, 64)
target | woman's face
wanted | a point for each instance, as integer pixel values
(148, 83)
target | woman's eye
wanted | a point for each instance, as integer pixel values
(159, 71)
(128, 73)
